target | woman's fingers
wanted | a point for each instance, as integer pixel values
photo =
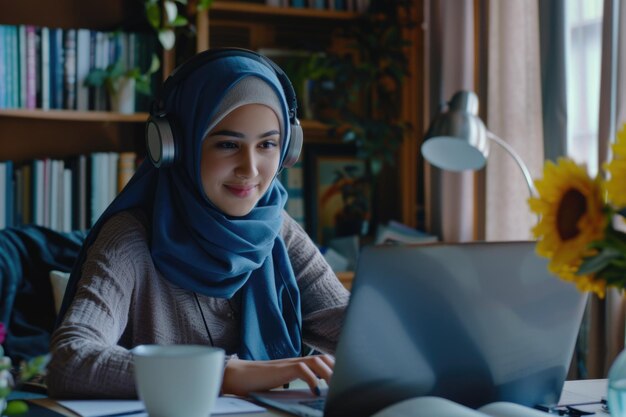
(313, 368)
(242, 377)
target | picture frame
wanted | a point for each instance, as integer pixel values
(338, 199)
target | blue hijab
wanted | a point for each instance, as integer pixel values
(198, 247)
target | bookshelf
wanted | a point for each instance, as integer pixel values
(33, 133)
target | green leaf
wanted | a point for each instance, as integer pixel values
(171, 11)
(167, 38)
(155, 64)
(95, 78)
(133, 73)
(16, 407)
(593, 264)
(153, 14)
(180, 21)
(142, 85)
(116, 70)
(204, 4)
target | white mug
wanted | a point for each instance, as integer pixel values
(178, 380)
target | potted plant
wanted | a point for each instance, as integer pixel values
(121, 83)
(359, 93)
(367, 93)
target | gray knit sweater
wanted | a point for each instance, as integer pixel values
(123, 301)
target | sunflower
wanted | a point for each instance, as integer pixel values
(616, 184)
(572, 216)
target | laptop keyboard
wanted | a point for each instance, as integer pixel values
(317, 404)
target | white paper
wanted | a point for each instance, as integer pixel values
(108, 408)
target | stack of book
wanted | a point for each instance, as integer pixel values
(45, 68)
(63, 194)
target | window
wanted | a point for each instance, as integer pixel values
(584, 23)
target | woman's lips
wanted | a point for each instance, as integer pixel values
(240, 190)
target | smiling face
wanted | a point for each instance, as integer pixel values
(240, 157)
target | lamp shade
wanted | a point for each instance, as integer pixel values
(456, 139)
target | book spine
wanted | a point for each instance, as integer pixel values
(69, 67)
(45, 68)
(10, 193)
(126, 169)
(3, 66)
(56, 68)
(67, 200)
(38, 70)
(112, 174)
(3, 203)
(38, 198)
(12, 69)
(53, 194)
(83, 45)
(22, 64)
(27, 193)
(31, 67)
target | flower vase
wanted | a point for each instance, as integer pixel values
(123, 99)
(617, 386)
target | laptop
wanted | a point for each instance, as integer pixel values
(471, 322)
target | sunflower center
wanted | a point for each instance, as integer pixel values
(573, 206)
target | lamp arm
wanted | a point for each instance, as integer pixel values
(529, 181)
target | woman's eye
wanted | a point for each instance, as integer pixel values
(269, 144)
(226, 145)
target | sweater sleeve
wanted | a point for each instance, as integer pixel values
(323, 297)
(86, 359)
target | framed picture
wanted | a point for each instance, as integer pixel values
(338, 193)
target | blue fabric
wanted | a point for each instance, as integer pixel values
(27, 254)
(195, 245)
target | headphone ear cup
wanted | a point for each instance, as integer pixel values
(295, 145)
(160, 145)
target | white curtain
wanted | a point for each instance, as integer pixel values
(514, 114)
(450, 202)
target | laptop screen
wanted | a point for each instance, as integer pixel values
(472, 322)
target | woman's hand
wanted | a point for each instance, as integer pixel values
(242, 377)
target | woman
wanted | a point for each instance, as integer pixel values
(202, 251)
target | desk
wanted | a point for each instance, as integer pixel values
(573, 392)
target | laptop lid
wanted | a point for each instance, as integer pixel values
(472, 322)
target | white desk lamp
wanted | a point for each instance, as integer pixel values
(457, 139)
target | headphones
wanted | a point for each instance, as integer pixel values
(160, 137)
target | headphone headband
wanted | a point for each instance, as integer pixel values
(160, 131)
(190, 65)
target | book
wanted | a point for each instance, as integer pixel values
(395, 232)
(83, 54)
(45, 68)
(31, 67)
(69, 69)
(429, 406)
(126, 169)
(3, 205)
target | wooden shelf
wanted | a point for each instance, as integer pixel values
(100, 15)
(75, 116)
(224, 8)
